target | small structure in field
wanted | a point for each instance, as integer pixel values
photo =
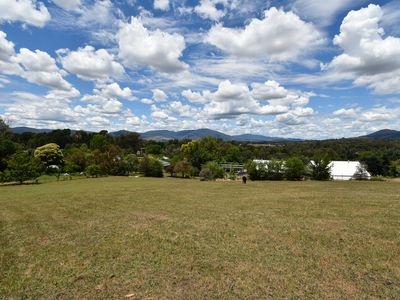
(348, 170)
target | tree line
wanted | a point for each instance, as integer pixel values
(25, 156)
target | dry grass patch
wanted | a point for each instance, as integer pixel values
(168, 238)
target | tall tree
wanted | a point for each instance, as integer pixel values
(49, 155)
(4, 127)
(22, 167)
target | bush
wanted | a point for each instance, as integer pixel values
(206, 175)
(93, 171)
(151, 167)
(132, 162)
(22, 167)
(194, 172)
(215, 169)
(275, 170)
(395, 168)
(294, 169)
(320, 169)
(183, 167)
(71, 167)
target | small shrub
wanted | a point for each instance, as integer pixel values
(294, 169)
(216, 170)
(206, 175)
(183, 167)
(151, 167)
(93, 171)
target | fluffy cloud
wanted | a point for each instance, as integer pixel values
(26, 11)
(35, 109)
(280, 36)
(369, 57)
(161, 4)
(269, 90)
(234, 100)
(40, 68)
(159, 95)
(100, 104)
(34, 66)
(73, 5)
(6, 47)
(140, 46)
(207, 9)
(113, 90)
(196, 97)
(90, 64)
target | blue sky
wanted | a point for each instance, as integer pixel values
(294, 68)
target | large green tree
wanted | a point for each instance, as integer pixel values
(4, 127)
(50, 154)
(294, 169)
(22, 167)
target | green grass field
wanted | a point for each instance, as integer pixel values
(138, 238)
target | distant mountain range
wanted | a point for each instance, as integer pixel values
(164, 135)
(201, 133)
(387, 134)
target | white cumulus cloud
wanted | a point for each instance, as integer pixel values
(91, 64)
(161, 4)
(26, 11)
(369, 57)
(140, 46)
(279, 36)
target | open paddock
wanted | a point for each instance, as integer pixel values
(141, 238)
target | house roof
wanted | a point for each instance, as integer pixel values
(345, 168)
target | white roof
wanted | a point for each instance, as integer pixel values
(345, 168)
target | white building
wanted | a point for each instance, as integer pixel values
(340, 170)
(346, 170)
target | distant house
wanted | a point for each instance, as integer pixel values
(340, 170)
(347, 170)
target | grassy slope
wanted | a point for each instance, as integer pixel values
(166, 238)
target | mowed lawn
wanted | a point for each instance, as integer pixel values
(139, 238)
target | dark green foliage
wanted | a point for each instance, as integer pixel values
(275, 170)
(320, 169)
(130, 141)
(253, 169)
(294, 169)
(272, 170)
(151, 167)
(132, 163)
(111, 161)
(374, 163)
(154, 149)
(206, 175)
(22, 167)
(71, 167)
(93, 171)
(201, 151)
(99, 142)
(77, 157)
(214, 167)
(4, 128)
(7, 148)
(395, 168)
